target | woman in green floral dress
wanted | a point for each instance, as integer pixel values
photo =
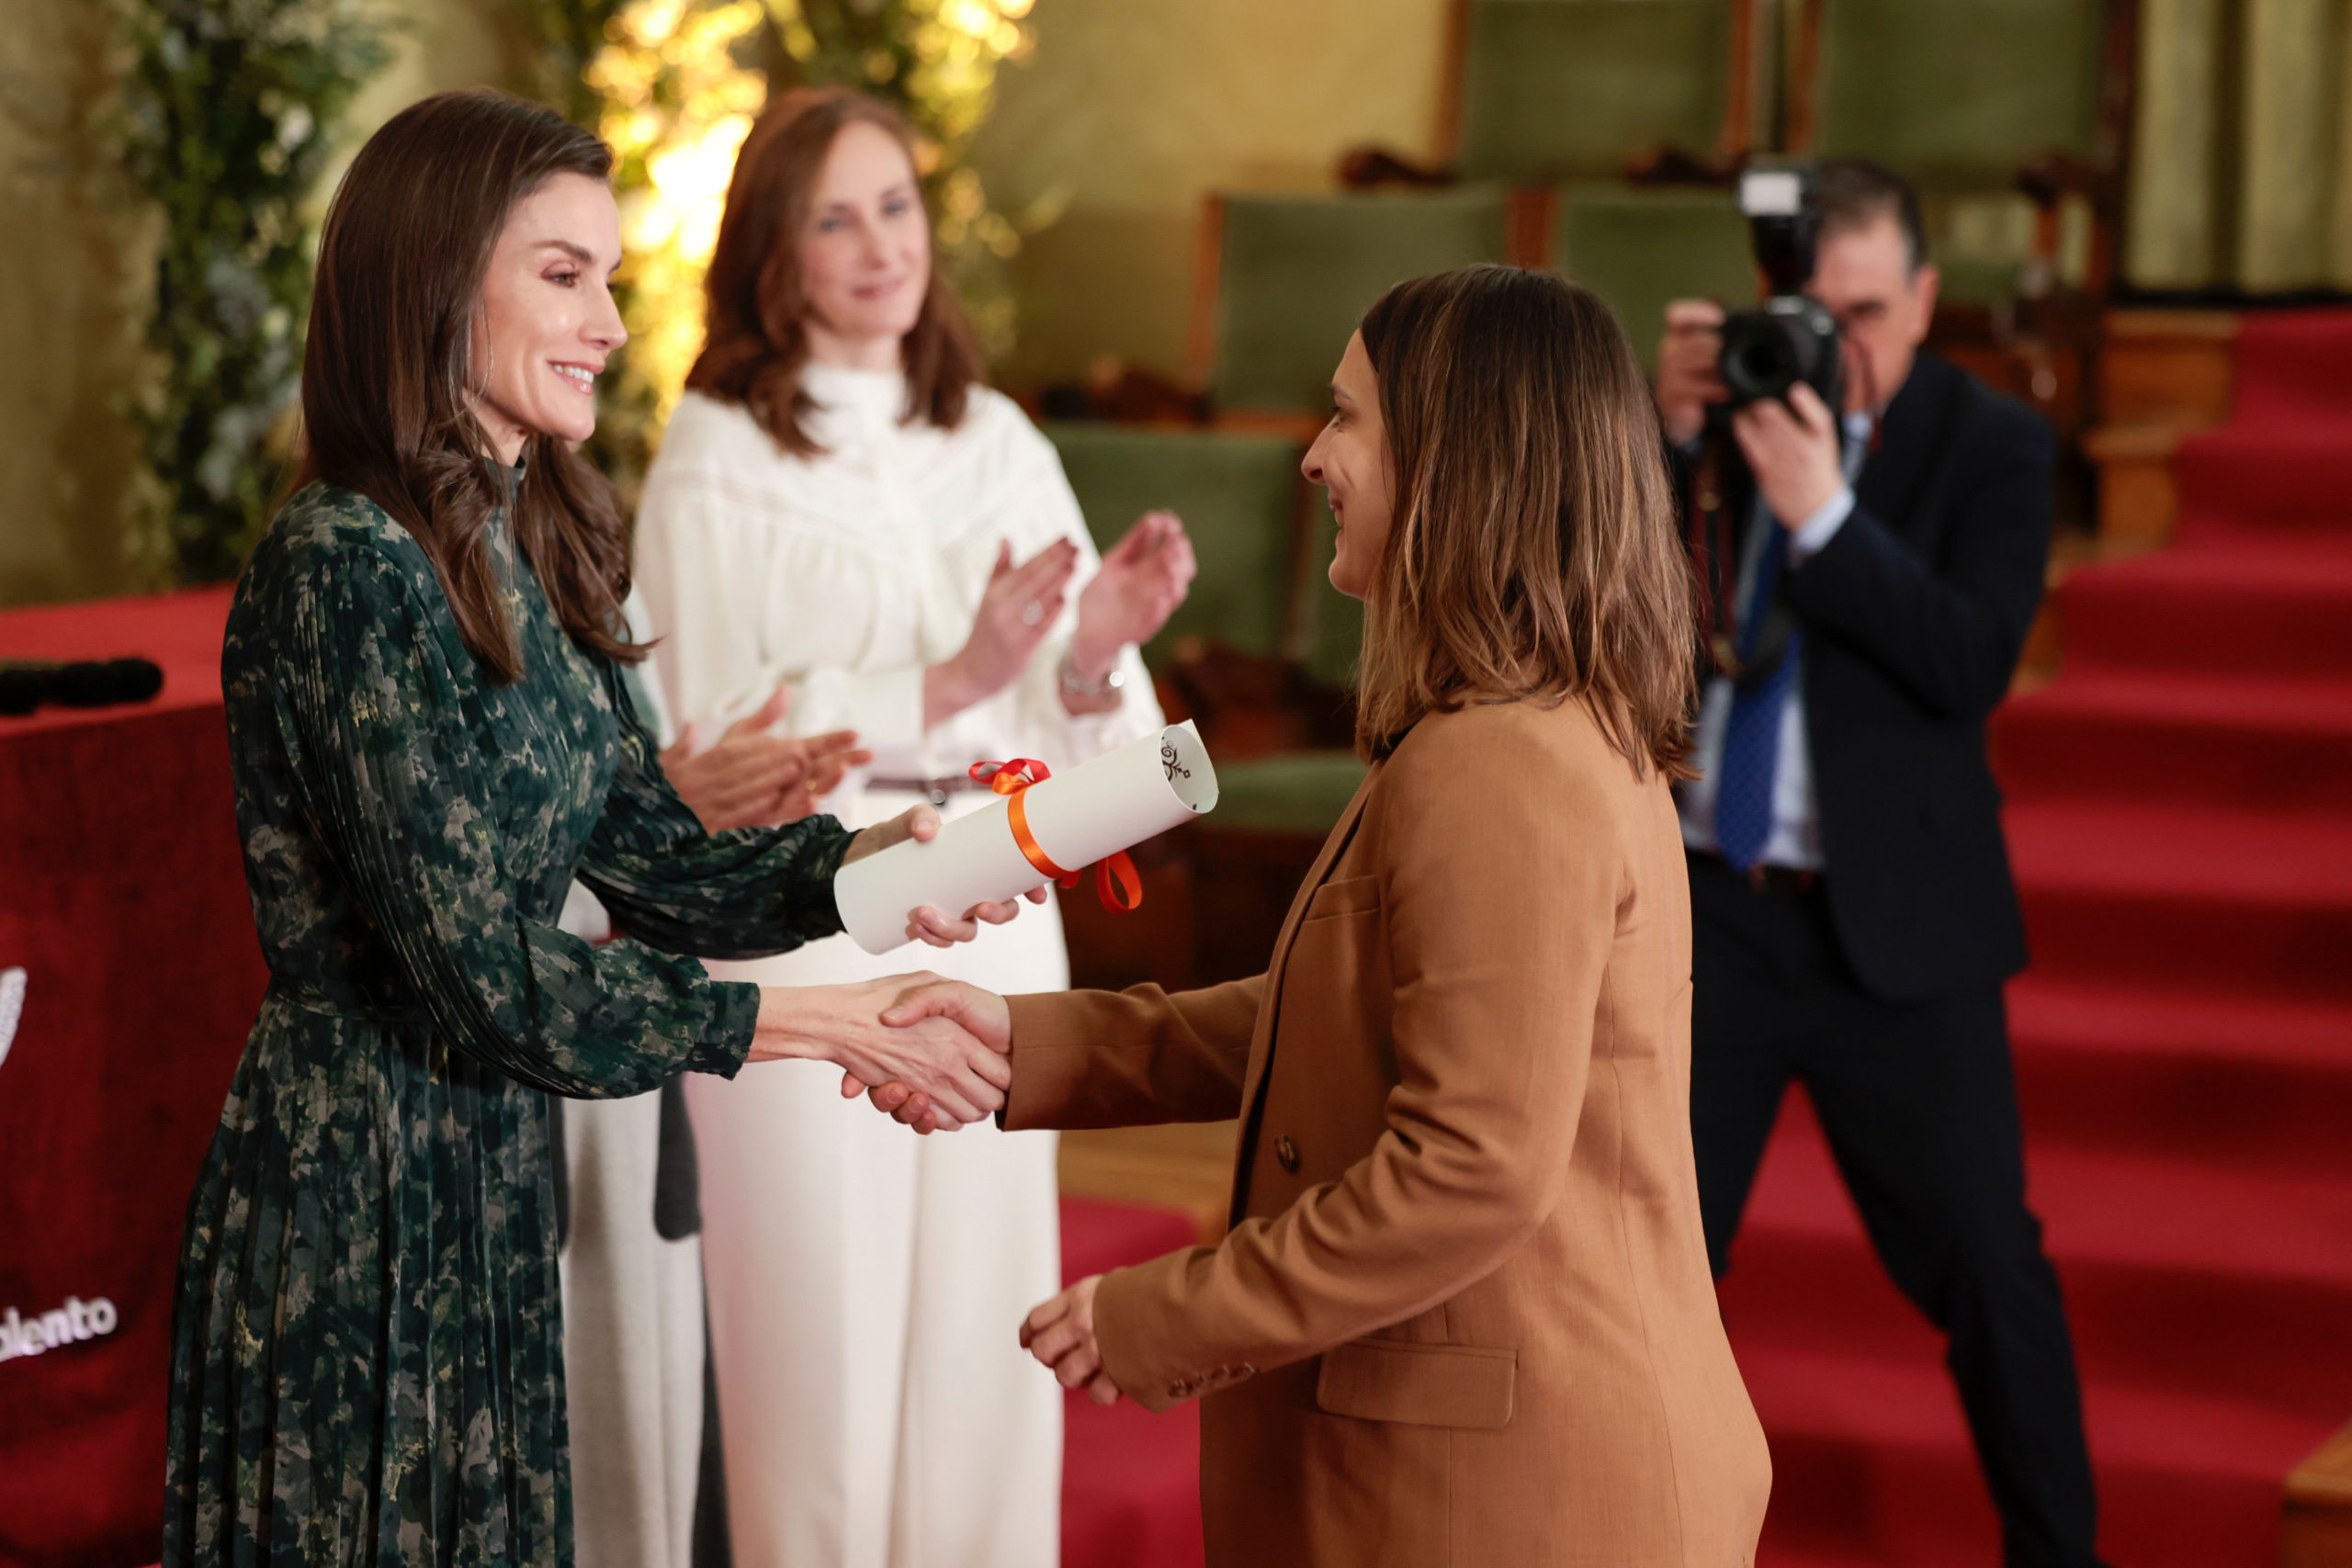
(431, 737)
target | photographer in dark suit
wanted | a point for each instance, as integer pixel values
(1874, 572)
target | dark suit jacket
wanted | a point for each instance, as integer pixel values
(1914, 616)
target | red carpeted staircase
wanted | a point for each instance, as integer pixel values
(2180, 811)
(1130, 1481)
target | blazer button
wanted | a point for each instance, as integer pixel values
(1286, 1153)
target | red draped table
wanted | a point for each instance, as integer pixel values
(128, 946)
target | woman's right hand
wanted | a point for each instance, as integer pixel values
(958, 1075)
(1018, 610)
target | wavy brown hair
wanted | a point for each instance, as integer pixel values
(388, 378)
(1533, 553)
(755, 337)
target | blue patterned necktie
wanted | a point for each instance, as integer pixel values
(1751, 755)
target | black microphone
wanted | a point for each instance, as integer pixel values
(83, 683)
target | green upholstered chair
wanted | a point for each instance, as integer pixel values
(2010, 115)
(1639, 249)
(1555, 90)
(1981, 103)
(1302, 792)
(1293, 274)
(1292, 792)
(1240, 496)
(1955, 93)
(1331, 624)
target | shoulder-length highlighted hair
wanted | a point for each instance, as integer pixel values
(1534, 553)
(389, 380)
(756, 341)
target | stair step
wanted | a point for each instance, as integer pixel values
(2247, 1083)
(2183, 1043)
(1872, 1461)
(2244, 604)
(2280, 477)
(2250, 1269)
(2292, 363)
(2273, 743)
(2119, 890)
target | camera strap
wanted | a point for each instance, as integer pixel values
(1748, 635)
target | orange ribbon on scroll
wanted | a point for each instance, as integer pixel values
(1116, 881)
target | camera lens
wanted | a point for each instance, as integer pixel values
(1762, 357)
(1766, 353)
(1760, 362)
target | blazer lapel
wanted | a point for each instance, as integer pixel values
(1891, 478)
(1262, 1048)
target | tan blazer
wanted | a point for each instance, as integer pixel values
(1463, 1314)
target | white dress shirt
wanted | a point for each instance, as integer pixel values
(1795, 837)
(846, 574)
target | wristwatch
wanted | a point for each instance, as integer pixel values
(1113, 681)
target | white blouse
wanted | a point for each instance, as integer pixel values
(846, 574)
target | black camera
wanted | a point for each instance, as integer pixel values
(1790, 339)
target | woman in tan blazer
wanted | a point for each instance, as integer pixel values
(1463, 1313)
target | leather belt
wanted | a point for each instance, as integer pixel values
(1791, 881)
(936, 790)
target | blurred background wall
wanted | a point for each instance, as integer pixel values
(1100, 147)
(1127, 113)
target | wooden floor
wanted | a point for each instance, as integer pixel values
(1187, 1166)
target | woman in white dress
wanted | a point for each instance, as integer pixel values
(627, 1204)
(840, 505)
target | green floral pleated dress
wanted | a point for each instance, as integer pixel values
(367, 1354)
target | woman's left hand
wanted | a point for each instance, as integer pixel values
(1060, 1333)
(1143, 580)
(921, 823)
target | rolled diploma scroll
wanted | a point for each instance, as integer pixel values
(1097, 808)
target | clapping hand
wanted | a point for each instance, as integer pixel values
(1017, 610)
(981, 1014)
(927, 923)
(1060, 1332)
(1143, 580)
(749, 778)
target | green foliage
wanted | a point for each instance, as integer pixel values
(226, 123)
(550, 45)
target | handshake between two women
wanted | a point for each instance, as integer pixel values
(935, 1053)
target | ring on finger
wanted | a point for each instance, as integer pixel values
(1031, 613)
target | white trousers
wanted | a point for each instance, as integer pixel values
(867, 1289)
(632, 1346)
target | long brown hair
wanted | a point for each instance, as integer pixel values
(756, 341)
(1534, 553)
(388, 379)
